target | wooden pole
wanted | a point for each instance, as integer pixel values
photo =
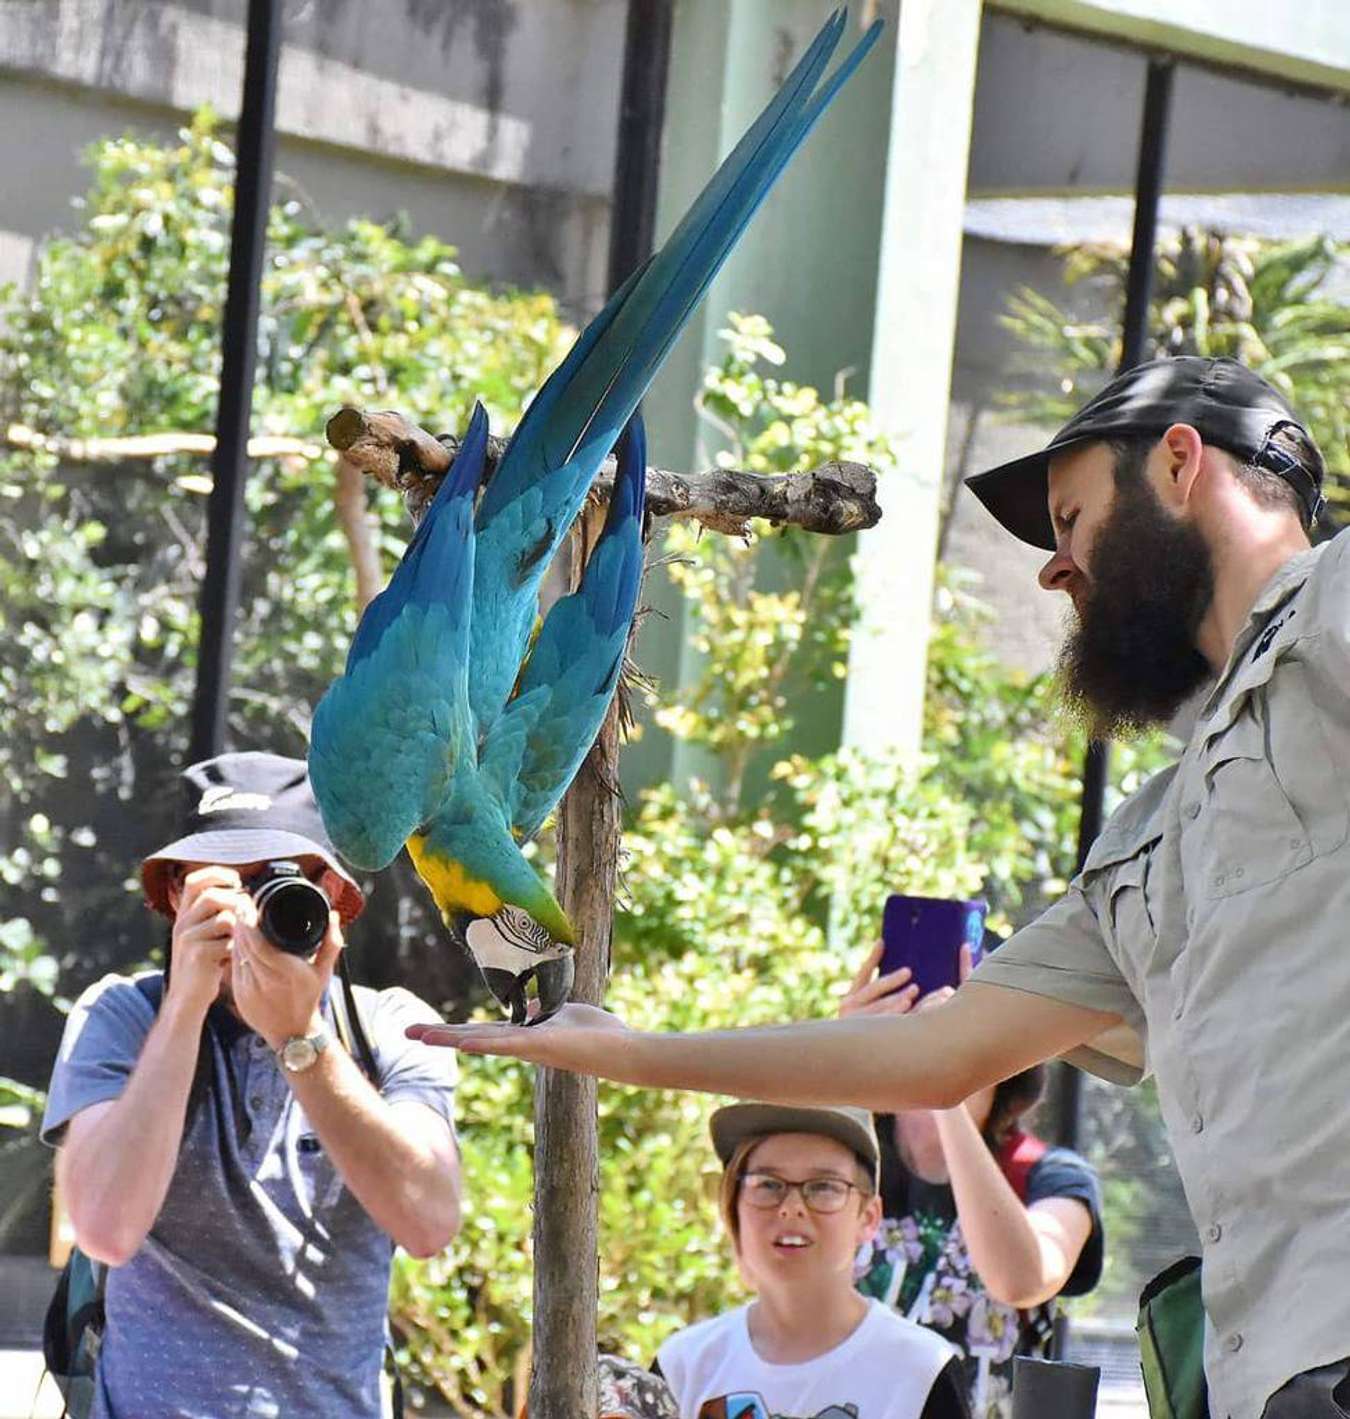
(566, 1161)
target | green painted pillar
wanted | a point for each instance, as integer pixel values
(808, 261)
(927, 143)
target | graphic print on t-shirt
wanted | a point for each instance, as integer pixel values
(747, 1405)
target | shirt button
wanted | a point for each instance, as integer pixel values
(1219, 880)
(256, 1102)
(1238, 871)
(1197, 1124)
(1214, 1231)
(1192, 810)
(1296, 843)
(1233, 1343)
(1178, 1010)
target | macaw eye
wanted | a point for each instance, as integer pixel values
(510, 931)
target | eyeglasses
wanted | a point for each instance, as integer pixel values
(767, 1191)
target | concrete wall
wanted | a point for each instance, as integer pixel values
(490, 122)
(1060, 113)
(1306, 42)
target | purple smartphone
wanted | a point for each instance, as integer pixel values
(926, 934)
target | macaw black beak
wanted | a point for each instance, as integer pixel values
(552, 980)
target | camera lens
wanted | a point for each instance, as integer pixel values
(292, 911)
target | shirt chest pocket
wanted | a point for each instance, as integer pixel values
(1119, 876)
(1131, 916)
(1273, 794)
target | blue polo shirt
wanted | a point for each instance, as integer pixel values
(262, 1288)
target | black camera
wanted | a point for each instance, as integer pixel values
(292, 911)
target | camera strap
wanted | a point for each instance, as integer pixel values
(348, 1024)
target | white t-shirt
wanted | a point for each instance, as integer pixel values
(884, 1370)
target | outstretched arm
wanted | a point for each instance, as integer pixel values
(932, 1059)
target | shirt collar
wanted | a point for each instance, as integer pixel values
(1288, 578)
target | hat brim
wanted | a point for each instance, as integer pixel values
(1018, 495)
(237, 845)
(1018, 492)
(734, 1123)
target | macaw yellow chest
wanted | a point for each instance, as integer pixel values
(452, 887)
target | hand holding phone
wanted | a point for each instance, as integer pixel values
(927, 934)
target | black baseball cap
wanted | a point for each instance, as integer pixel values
(249, 807)
(1229, 406)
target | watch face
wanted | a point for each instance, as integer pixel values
(298, 1054)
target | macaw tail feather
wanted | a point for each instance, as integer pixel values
(537, 744)
(575, 419)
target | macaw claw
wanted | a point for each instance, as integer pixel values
(552, 980)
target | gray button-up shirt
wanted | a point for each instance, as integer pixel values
(261, 1290)
(1212, 916)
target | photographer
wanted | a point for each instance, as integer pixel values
(222, 1152)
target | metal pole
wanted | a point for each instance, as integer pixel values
(1138, 288)
(642, 110)
(1067, 1099)
(566, 1183)
(239, 348)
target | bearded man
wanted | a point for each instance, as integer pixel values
(1203, 941)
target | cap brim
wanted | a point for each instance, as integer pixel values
(1018, 495)
(735, 1122)
(236, 845)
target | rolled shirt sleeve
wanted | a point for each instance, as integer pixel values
(408, 1068)
(1063, 955)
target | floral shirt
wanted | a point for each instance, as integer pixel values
(918, 1263)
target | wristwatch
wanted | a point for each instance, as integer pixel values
(302, 1052)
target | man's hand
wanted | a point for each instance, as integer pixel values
(576, 1038)
(277, 994)
(209, 904)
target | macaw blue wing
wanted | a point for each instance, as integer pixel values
(390, 732)
(536, 746)
(575, 419)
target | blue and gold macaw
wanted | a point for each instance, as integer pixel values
(448, 731)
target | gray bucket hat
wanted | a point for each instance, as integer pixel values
(733, 1123)
(249, 807)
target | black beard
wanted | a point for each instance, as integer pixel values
(1131, 661)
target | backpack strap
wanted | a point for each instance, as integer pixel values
(351, 1032)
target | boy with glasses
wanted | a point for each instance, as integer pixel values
(798, 1198)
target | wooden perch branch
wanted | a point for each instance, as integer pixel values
(835, 499)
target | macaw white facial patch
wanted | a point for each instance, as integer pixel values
(511, 941)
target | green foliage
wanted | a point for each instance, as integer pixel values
(100, 566)
(1268, 304)
(760, 641)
